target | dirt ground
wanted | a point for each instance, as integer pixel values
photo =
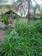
(2, 35)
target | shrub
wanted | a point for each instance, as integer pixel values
(5, 20)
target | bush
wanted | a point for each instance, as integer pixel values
(24, 40)
(5, 20)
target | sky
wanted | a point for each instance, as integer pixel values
(11, 2)
(4, 2)
(38, 1)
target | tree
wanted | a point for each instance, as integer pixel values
(41, 13)
(37, 6)
(20, 7)
(28, 14)
(29, 5)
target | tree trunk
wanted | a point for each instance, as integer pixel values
(34, 13)
(28, 14)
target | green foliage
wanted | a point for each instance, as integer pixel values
(9, 47)
(21, 27)
(5, 20)
(24, 40)
(32, 33)
(13, 46)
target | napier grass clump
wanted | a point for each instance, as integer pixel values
(24, 40)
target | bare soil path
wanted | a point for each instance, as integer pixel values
(2, 35)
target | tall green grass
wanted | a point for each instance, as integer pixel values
(24, 40)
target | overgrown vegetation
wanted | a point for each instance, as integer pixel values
(24, 40)
(5, 20)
